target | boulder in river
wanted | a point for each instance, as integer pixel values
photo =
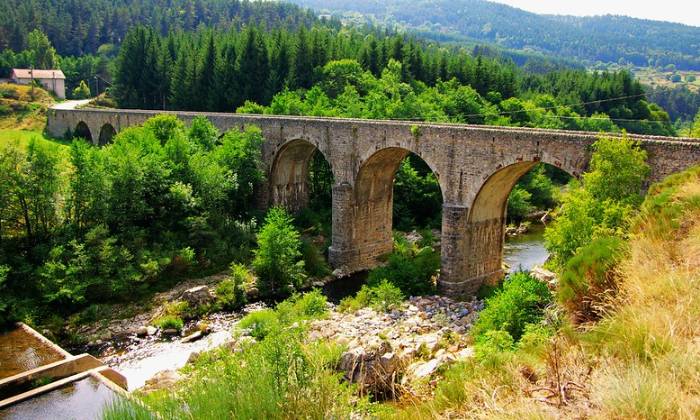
(198, 296)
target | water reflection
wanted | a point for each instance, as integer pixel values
(84, 399)
(21, 351)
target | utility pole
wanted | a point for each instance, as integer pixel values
(31, 82)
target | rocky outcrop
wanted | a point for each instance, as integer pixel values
(387, 351)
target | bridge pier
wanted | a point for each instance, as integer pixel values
(472, 252)
(361, 231)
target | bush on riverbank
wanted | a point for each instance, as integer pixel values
(278, 263)
(520, 302)
(381, 297)
(410, 268)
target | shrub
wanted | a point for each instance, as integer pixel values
(230, 293)
(260, 323)
(169, 322)
(589, 278)
(277, 260)
(164, 127)
(311, 305)
(410, 269)
(603, 204)
(519, 204)
(381, 297)
(521, 301)
(490, 347)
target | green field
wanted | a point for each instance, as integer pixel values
(22, 137)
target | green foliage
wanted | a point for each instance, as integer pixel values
(277, 261)
(85, 225)
(617, 172)
(695, 130)
(203, 132)
(260, 323)
(491, 345)
(169, 322)
(310, 305)
(589, 280)
(417, 196)
(230, 292)
(314, 262)
(42, 53)
(82, 91)
(603, 204)
(409, 268)
(519, 204)
(164, 127)
(521, 301)
(382, 297)
(280, 376)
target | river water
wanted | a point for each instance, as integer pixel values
(523, 252)
(143, 358)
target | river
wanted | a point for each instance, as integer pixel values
(523, 252)
(143, 358)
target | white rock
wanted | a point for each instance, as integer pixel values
(426, 369)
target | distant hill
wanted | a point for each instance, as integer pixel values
(589, 39)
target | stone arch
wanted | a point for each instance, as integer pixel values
(373, 204)
(107, 133)
(492, 197)
(486, 222)
(289, 174)
(82, 131)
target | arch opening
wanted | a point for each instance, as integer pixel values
(107, 133)
(518, 195)
(82, 131)
(300, 176)
(395, 190)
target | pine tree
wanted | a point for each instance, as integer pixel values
(205, 87)
(303, 66)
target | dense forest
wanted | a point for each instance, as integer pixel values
(600, 38)
(78, 27)
(681, 103)
(351, 74)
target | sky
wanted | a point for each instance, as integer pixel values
(683, 11)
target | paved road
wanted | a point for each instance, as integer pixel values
(71, 104)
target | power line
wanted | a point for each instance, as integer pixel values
(545, 108)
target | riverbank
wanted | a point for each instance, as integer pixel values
(130, 344)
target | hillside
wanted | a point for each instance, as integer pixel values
(19, 110)
(81, 27)
(600, 38)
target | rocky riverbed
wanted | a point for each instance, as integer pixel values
(388, 351)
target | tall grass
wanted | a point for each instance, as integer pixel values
(641, 360)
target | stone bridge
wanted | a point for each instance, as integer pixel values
(477, 167)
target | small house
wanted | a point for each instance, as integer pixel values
(52, 80)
